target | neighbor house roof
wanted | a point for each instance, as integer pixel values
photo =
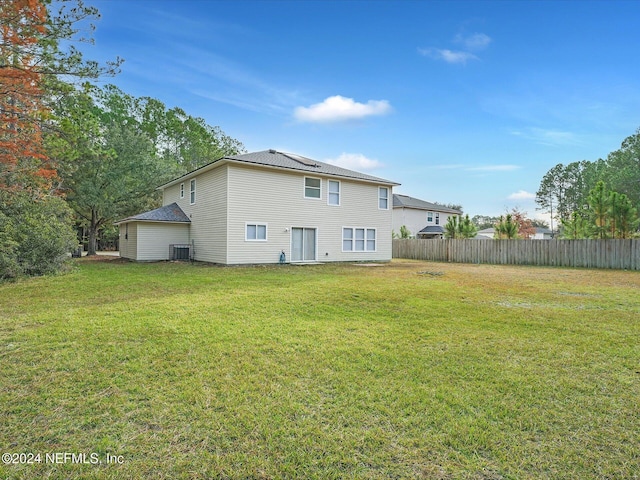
(432, 229)
(169, 213)
(400, 201)
(287, 161)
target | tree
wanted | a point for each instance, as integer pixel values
(525, 226)
(506, 228)
(622, 173)
(599, 211)
(108, 166)
(467, 228)
(451, 227)
(623, 216)
(35, 230)
(36, 235)
(21, 153)
(575, 227)
(458, 227)
(483, 221)
(404, 233)
(114, 153)
(565, 188)
(31, 62)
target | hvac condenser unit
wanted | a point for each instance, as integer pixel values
(180, 252)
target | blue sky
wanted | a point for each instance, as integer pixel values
(461, 102)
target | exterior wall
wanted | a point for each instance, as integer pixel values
(208, 214)
(415, 219)
(154, 239)
(276, 198)
(128, 241)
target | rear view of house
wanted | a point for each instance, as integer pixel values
(264, 206)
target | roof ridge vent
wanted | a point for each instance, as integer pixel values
(272, 151)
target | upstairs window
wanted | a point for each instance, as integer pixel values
(333, 197)
(192, 192)
(311, 187)
(430, 217)
(182, 190)
(383, 198)
(437, 218)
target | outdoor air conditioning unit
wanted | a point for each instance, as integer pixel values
(180, 252)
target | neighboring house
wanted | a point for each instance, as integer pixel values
(422, 219)
(486, 233)
(541, 233)
(250, 208)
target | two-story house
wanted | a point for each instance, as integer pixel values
(265, 207)
(422, 219)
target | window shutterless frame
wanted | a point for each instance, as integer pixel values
(255, 232)
(192, 191)
(333, 192)
(359, 239)
(383, 198)
(312, 188)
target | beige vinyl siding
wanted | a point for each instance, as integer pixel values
(276, 197)
(416, 219)
(128, 241)
(208, 215)
(154, 239)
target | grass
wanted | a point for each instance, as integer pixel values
(407, 370)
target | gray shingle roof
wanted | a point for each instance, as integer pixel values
(410, 202)
(168, 213)
(289, 161)
(432, 229)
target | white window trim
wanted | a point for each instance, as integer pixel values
(304, 188)
(192, 191)
(329, 193)
(437, 218)
(429, 217)
(380, 197)
(353, 239)
(256, 224)
(182, 190)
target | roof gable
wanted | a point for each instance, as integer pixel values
(169, 213)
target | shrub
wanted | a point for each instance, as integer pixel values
(36, 235)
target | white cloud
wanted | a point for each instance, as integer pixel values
(522, 195)
(339, 108)
(471, 43)
(476, 41)
(355, 161)
(447, 55)
(548, 137)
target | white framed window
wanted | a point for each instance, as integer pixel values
(192, 191)
(359, 239)
(182, 190)
(255, 232)
(312, 187)
(333, 195)
(429, 217)
(383, 198)
(437, 218)
(371, 240)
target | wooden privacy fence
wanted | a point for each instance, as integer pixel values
(616, 254)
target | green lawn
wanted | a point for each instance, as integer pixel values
(407, 370)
